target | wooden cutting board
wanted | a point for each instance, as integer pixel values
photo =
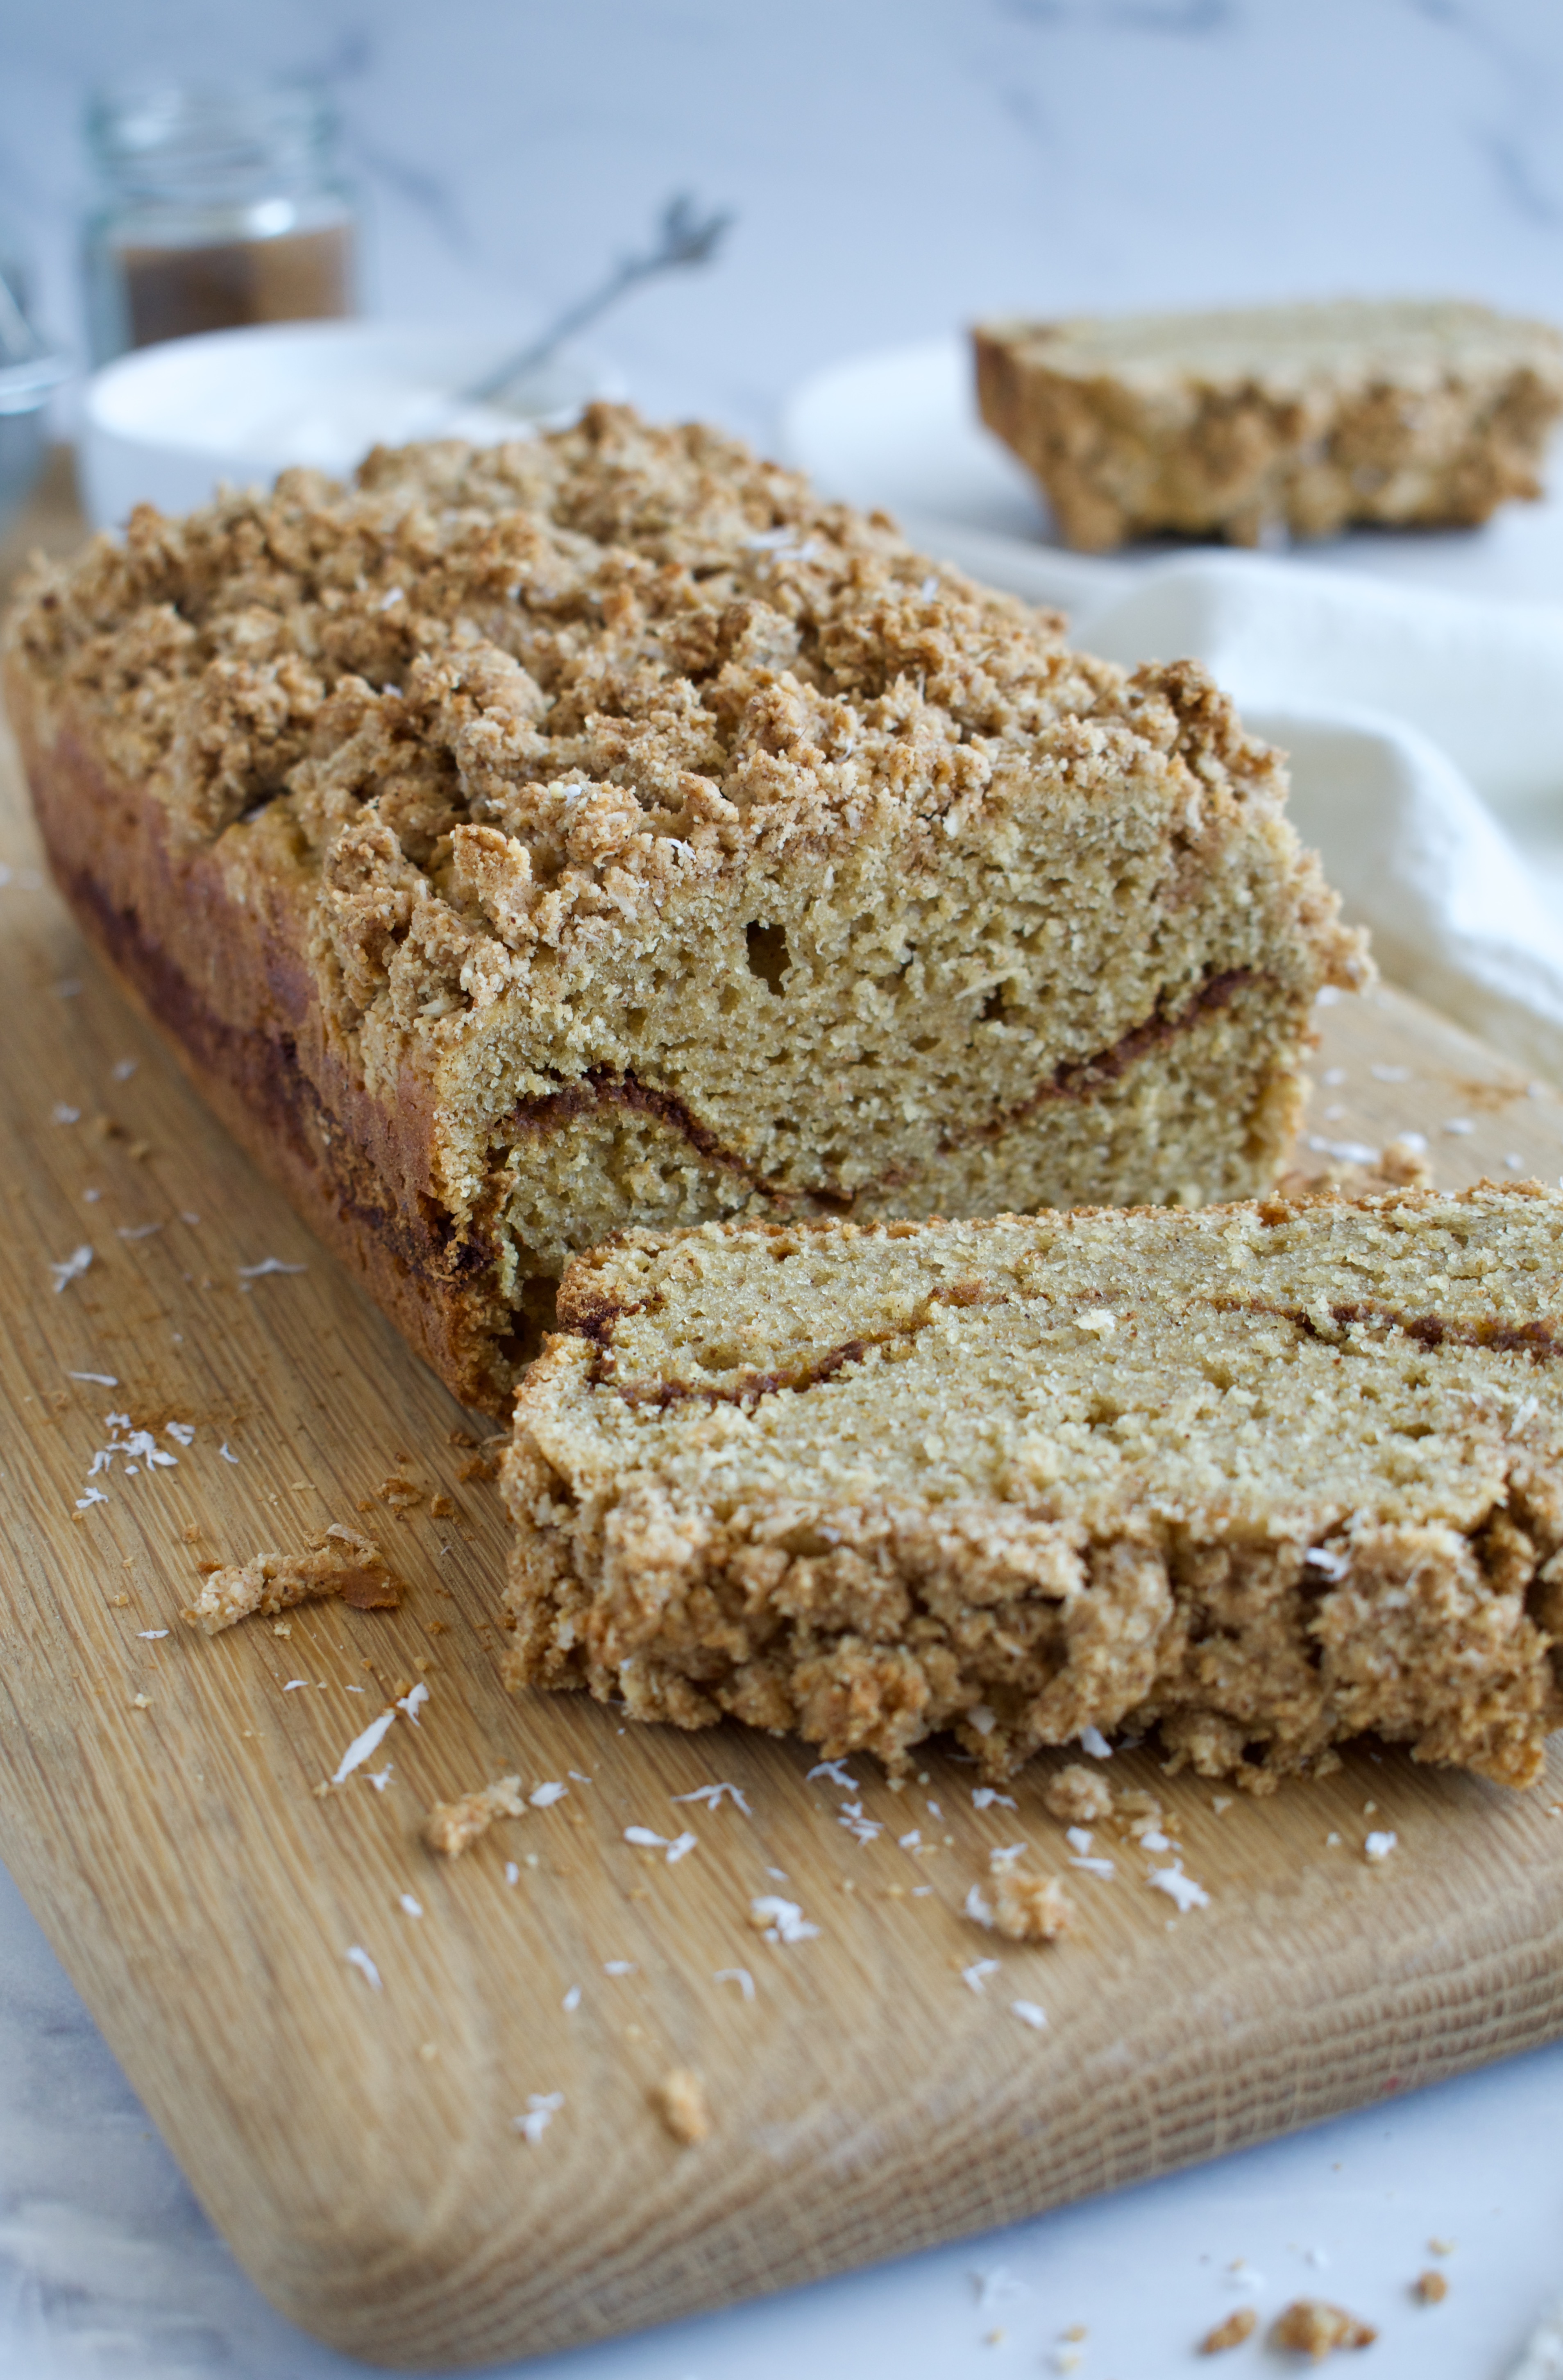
(342, 2038)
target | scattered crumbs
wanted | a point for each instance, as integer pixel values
(137, 1230)
(1239, 2325)
(357, 1957)
(618, 1966)
(1179, 1888)
(572, 2001)
(92, 1496)
(380, 1778)
(1378, 1846)
(679, 2099)
(986, 1797)
(247, 1273)
(981, 1719)
(413, 1703)
(1078, 1795)
(835, 1770)
(1092, 1739)
(996, 2338)
(140, 1702)
(1220, 1803)
(1240, 2275)
(780, 1921)
(98, 1380)
(152, 1634)
(1315, 2329)
(1028, 2013)
(543, 1797)
(975, 1976)
(451, 1827)
(542, 2108)
(1441, 2247)
(1027, 1909)
(580, 1775)
(181, 1432)
(62, 1114)
(91, 1198)
(978, 1907)
(778, 1874)
(227, 1452)
(1332, 1840)
(413, 1907)
(740, 1976)
(441, 1508)
(1514, 1161)
(934, 1810)
(1094, 1866)
(1460, 1124)
(712, 1794)
(70, 1268)
(1431, 2289)
(512, 1873)
(1370, 1809)
(911, 1842)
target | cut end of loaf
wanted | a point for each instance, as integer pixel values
(1266, 1478)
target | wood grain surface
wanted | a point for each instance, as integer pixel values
(357, 2125)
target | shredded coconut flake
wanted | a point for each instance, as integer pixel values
(1094, 1866)
(98, 1380)
(572, 2001)
(1379, 1846)
(413, 1701)
(267, 1265)
(712, 1794)
(780, 1921)
(618, 1966)
(1179, 1887)
(978, 1907)
(1028, 2013)
(976, 1975)
(359, 1958)
(543, 1797)
(362, 1745)
(984, 1797)
(413, 1907)
(740, 1976)
(835, 1770)
(542, 2108)
(71, 1268)
(227, 1452)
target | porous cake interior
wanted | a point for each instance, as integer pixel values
(1325, 1438)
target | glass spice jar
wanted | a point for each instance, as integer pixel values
(217, 207)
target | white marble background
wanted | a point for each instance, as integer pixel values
(898, 166)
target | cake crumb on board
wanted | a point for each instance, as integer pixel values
(1313, 2326)
(1430, 2288)
(1030, 1909)
(338, 1562)
(679, 2099)
(1077, 1797)
(452, 1826)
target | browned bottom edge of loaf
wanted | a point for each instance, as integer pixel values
(252, 1077)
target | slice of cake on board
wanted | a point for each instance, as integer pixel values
(1265, 1477)
(603, 830)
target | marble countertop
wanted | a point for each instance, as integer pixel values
(898, 166)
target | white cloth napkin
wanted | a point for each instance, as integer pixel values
(1425, 733)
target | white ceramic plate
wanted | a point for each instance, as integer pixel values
(901, 430)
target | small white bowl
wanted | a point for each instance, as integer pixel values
(165, 424)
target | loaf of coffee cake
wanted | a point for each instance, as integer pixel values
(1264, 1477)
(602, 829)
(1300, 420)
